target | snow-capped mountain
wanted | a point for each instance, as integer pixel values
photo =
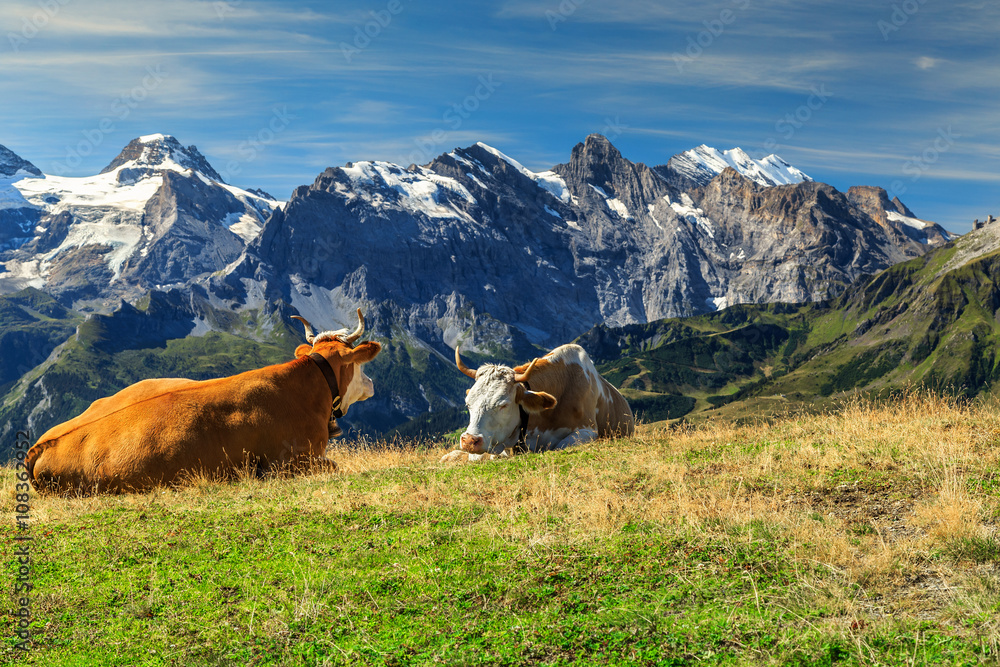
(472, 248)
(700, 165)
(150, 154)
(548, 254)
(157, 214)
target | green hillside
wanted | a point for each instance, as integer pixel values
(670, 368)
(32, 324)
(931, 322)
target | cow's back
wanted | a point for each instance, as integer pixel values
(61, 451)
(103, 407)
(158, 430)
(584, 397)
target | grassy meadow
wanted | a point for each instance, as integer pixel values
(864, 536)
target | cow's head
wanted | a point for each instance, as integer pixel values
(494, 417)
(338, 348)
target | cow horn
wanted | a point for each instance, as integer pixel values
(310, 334)
(350, 338)
(462, 367)
(523, 377)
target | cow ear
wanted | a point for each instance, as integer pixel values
(302, 350)
(536, 401)
(363, 353)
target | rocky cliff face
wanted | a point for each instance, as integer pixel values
(792, 243)
(548, 255)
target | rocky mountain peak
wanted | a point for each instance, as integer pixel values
(902, 208)
(894, 215)
(11, 163)
(595, 162)
(872, 194)
(154, 153)
(262, 194)
(595, 149)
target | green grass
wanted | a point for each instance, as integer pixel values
(760, 545)
(404, 588)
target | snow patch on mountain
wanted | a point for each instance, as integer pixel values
(244, 225)
(703, 163)
(122, 237)
(58, 193)
(717, 302)
(263, 205)
(10, 196)
(475, 180)
(920, 230)
(419, 191)
(686, 209)
(651, 208)
(908, 221)
(618, 206)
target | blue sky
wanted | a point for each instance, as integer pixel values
(901, 94)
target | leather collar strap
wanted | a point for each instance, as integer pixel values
(523, 430)
(331, 379)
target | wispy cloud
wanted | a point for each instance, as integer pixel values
(229, 63)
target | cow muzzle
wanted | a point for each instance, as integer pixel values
(473, 444)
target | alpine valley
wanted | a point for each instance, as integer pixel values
(702, 284)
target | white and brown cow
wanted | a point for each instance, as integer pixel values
(554, 402)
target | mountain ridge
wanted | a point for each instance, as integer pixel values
(472, 249)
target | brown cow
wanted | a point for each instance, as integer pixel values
(566, 403)
(157, 431)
